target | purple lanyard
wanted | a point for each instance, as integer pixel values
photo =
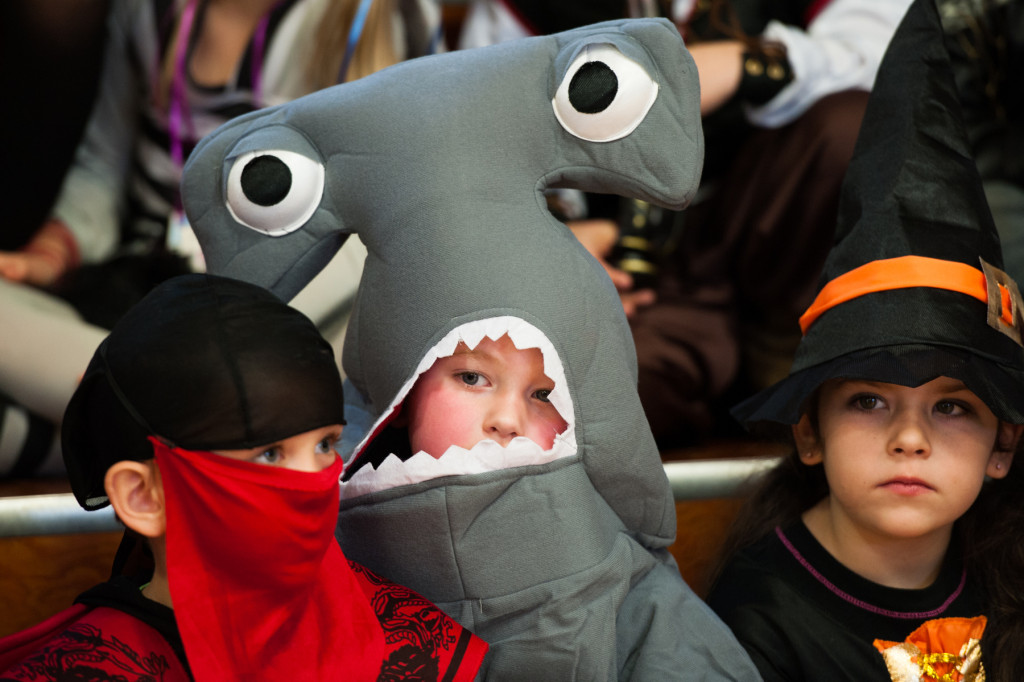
(179, 114)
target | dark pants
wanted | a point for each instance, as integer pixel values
(747, 266)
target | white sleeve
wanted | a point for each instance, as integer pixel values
(840, 50)
(489, 22)
(93, 189)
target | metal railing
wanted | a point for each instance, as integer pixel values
(706, 479)
(51, 515)
(60, 514)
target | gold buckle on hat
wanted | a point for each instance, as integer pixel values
(1004, 302)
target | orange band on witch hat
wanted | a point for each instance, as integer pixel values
(917, 271)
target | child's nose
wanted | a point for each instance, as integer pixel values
(312, 462)
(909, 435)
(505, 420)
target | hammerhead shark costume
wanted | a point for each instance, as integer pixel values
(556, 557)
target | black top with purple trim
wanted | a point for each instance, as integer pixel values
(802, 615)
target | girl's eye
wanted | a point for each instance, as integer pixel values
(543, 394)
(471, 378)
(269, 456)
(949, 407)
(866, 402)
(326, 446)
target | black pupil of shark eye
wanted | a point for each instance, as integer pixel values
(593, 88)
(266, 180)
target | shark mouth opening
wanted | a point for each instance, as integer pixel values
(487, 455)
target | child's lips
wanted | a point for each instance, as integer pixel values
(907, 485)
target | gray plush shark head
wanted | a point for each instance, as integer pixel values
(440, 166)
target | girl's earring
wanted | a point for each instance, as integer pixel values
(999, 466)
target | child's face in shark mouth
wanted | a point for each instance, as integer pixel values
(494, 391)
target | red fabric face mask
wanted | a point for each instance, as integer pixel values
(260, 588)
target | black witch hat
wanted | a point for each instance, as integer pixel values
(913, 288)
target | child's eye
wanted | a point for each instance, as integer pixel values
(950, 407)
(268, 456)
(542, 395)
(866, 402)
(471, 378)
(326, 446)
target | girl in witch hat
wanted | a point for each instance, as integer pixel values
(886, 545)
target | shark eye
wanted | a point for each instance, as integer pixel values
(274, 191)
(604, 95)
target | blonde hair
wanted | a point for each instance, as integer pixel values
(377, 47)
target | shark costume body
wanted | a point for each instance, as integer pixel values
(556, 557)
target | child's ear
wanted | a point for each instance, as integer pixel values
(137, 496)
(808, 445)
(1007, 438)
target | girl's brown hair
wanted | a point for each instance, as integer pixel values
(992, 534)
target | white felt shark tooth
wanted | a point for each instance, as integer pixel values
(366, 479)
(487, 455)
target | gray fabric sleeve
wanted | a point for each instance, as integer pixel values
(670, 634)
(91, 195)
